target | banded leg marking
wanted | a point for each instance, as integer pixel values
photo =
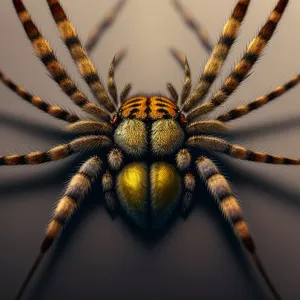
(229, 206)
(66, 206)
(54, 67)
(53, 110)
(187, 201)
(219, 55)
(238, 152)
(79, 54)
(259, 102)
(110, 199)
(58, 152)
(244, 66)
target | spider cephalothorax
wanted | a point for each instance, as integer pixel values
(149, 128)
(148, 140)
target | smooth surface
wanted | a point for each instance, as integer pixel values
(98, 258)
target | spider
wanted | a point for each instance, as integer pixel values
(149, 144)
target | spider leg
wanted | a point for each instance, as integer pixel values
(58, 152)
(107, 21)
(192, 23)
(179, 56)
(79, 54)
(66, 206)
(125, 92)
(243, 67)
(259, 102)
(54, 67)
(231, 210)
(183, 162)
(238, 152)
(172, 92)
(218, 55)
(110, 199)
(187, 201)
(187, 85)
(111, 84)
(115, 159)
(90, 126)
(210, 126)
(53, 110)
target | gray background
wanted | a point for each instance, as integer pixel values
(98, 258)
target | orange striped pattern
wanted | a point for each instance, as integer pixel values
(54, 67)
(242, 69)
(79, 54)
(219, 54)
(154, 108)
(259, 102)
(52, 110)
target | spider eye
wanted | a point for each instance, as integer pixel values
(115, 119)
(182, 119)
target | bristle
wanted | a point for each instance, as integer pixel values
(238, 152)
(259, 102)
(54, 67)
(79, 54)
(219, 55)
(243, 67)
(52, 110)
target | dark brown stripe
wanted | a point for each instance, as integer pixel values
(46, 244)
(268, 30)
(48, 58)
(91, 78)
(132, 113)
(254, 105)
(240, 11)
(236, 218)
(72, 41)
(86, 175)
(226, 40)
(252, 156)
(290, 161)
(133, 105)
(129, 101)
(61, 217)
(57, 11)
(19, 6)
(209, 77)
(31, 30)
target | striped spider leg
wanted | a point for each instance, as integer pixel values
(102, 128)
(132, 131)
(215, 181)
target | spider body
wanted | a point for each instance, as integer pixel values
(151, 147)
(149, 129)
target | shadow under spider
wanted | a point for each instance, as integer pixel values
(202, 198)
(203, 201)
(264, 129)
(31, 126)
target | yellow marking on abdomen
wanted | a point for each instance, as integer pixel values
(132, 186)
(165, 186)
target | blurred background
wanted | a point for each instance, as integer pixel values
(98, 258)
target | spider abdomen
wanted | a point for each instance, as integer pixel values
(149, 194)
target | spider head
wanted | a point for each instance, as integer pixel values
(149, 124)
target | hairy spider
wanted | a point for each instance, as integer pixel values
(149, 144)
